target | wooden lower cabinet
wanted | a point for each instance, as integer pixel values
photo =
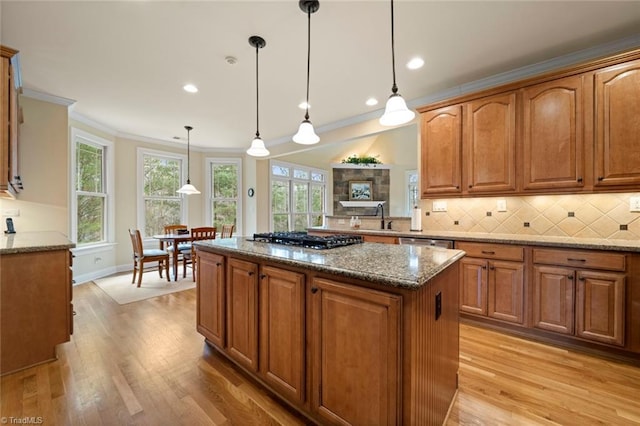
(589, 304)
(553, 299)
(355, 355)
(368, 238)
(36, 313)
(490, 287)
(282, 333)
(210, 309)
(242, 312)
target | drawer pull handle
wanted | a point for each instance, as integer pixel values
(488, 252)
(571, 259)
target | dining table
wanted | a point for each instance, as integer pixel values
(173, 240)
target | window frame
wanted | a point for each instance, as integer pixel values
(140, 197)
(407, 186)
(108, 169)
(209, 162)
(290, 179)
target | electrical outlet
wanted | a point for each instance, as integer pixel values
(501, 205)
(439, 206)
(634, 204)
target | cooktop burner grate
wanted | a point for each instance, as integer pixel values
(303, 239)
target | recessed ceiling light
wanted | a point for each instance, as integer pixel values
(371, 101)
(415, 63)
(303, 105)
(190, 88)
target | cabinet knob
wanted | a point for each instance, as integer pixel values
(457, 186)
(484, 266)
(600, 178)
(492, 267)
(218, 264)
(470, 186)
(263, 276)
(579, 179)
(570, 277)
(581, 278)
(251, 273)
(314, 290)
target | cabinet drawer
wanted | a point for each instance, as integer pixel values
(492, 251)
(581, 259)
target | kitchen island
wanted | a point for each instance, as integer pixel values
(362, 334)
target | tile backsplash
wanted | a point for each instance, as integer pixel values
(580, 216)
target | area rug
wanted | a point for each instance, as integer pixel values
(120, 289)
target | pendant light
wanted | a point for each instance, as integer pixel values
(187, 188)
(306, 135)
(396, 111)
(257, 148)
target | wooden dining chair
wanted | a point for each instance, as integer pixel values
(142, 256)
(227, 231)
(189, 256)
(176, 229)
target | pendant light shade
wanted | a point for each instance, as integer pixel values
(306, 135)
(257, 148)
(187, 188)
(396, 111)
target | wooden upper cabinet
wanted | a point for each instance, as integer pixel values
(490, 144)
(617, 125)
(553, 134)
(441, 149)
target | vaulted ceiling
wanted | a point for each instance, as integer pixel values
(125, 63)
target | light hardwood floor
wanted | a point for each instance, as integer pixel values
(144, 364)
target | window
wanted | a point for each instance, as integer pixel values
(159, 177)
(91, 186)
(298, 197)
(411, 179)
(224, 189)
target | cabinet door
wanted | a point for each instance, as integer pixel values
(490, 144)
(379, 239)
(553, 134)
(553, 298)
(210, 310)
(282, 322)
(473, 285)
(355, 354)
(617, 108)
(600, 313)
(440, 152)
(506, 291)
(242, 312)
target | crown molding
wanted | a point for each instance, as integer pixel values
(46, 97)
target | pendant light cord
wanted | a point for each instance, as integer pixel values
(394, 88)
(257, 96)
(306, 115)
(188, 155)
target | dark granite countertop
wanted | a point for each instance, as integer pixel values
(25, 242)
(403, 266)
(537, 240)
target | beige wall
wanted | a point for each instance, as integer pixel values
(44, 168)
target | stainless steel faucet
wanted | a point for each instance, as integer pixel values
(381, 208)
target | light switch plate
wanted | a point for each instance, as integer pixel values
(634, 204)
(439, 206)
(501, 205)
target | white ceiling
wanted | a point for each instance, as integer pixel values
(124, 63)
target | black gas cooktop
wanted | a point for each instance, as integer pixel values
(303, 239)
